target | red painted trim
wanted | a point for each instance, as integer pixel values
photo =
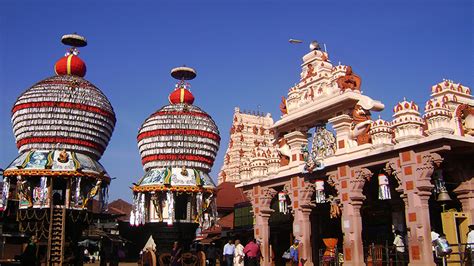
(178, 157)
(69, 105)
(186, 132)
(53, 81)
(161, 113)
(68, 140)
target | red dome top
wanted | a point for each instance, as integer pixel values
(70, 65)
(181, 95)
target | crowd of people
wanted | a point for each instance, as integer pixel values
(234, 253)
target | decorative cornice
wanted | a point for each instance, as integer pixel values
(172, 188)
(48, 172)
(266, 195)
(359, 178)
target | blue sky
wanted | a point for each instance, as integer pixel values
(240, 50)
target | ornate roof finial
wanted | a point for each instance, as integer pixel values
(314, 45)
(74, 40)
(181, 94)
(71, 64)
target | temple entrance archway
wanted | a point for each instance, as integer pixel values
(281, 229)
(381, 216)
(324, 229)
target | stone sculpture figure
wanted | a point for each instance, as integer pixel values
(468, 121)
(360, 125)
(311, 72)
(324, 143)
(349, 81)
(283, 108)
(284, 152)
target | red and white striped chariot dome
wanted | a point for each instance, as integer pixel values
(179, 134)
(64, 112)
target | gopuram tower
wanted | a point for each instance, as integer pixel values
(62, 126)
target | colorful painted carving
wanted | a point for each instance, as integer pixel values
(349, 80)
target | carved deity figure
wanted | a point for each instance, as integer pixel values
(360, 125)
(309, 93)
(63, 157)
(467, 120)
(311, 72)
(224, 176)
(324, 143)
(24, 190)
(239, 128)
(349, 81)
(255, 130)
(283, 108)
(184, 171)
(284, 152)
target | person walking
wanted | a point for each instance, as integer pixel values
(238, 254)
(28, 258)
(102, 255)
(399, 248)
(176, 254)
(294, 253)
(228, 253)
(252, 252)
(211, 254)
(470, 246)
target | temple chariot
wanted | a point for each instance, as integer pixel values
(62, 126)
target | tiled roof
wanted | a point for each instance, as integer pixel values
(224, 223)
(118, 206)
(228, 195)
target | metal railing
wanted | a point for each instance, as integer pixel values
(376, 255)
(460, 255)
(381, 255)
(387, 255)
(330, 257)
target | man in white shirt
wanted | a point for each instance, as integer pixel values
(399, 248)
(470, 245)
(434, 237)
(470, 237)
(229, 253)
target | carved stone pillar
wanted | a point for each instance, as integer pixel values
(342, 125)
(261, 197)
(296, 140)
(414, 171)
(304, 235)
(262, 234)
(300, 193)
(465, 194)
(350, 184)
